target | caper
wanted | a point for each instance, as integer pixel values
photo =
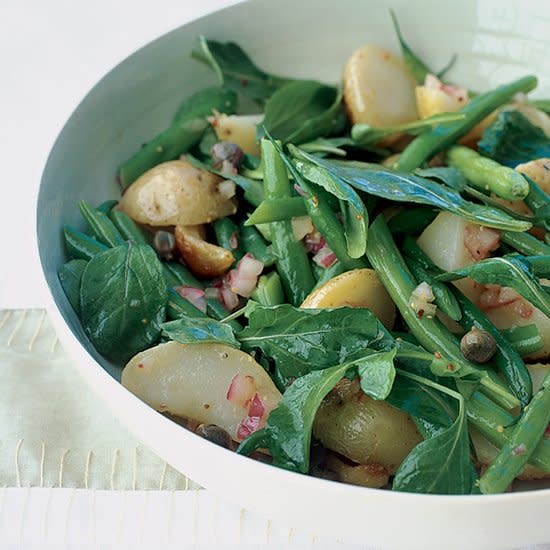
(164, 243)
(478, 345)
(225, 153)
(214, 434)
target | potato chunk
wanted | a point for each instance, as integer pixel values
(355, 288)
(204, 259)
(378, 88)
(364, 430)
(209, 383)
(238, 129)
(177, 193)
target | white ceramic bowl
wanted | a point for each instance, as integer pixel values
(496, 42)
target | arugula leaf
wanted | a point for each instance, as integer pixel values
(440, 464)
(396, 186)
(302, 340)
(364, 134)
(196, 330)
(202, 104)
(287, 433)
(451, 177)
(123, 300)
(236, 71)
(512, 139)
(511, 271)
(431, 410)
(377, 373)
(415, 65)
(302, 111)
(355, 215)
(70, 276)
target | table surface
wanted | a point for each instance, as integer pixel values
(51, 54)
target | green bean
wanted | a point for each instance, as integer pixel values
(444, 298)
(495, 424)
(292, 260)
(70, 275)
(431, 142)
(269, 291)
(536, 199)
(542, 105)
(507, 360)
(324, 219)
(525, 243)
(167, 145)
(216, 310)
(182, 275)
(487, 174)
(107, 206)
(525, 436)
(412, 221)
(127, 227)
(253, 243)
(179, 307)
(524, 339)
(539, 265)
(79, 245)
(326, 274)
(431, 333)
(101, 227)
(227, 235)
(275, 210)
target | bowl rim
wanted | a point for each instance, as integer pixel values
(97, 376)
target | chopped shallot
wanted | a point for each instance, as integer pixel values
(227, 189)
(241, 390)
(194, 295)
(314, 241)
(243, 280)
(421, 301)
(325, 257)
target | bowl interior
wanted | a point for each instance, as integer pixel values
(495, 42)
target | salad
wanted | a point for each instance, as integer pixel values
(348, 281)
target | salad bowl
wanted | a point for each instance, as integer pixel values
(495, 42)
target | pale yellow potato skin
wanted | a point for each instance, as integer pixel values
(364, 430)
(364, 475)
(378, 88)
(176, 193)
(238, 129)
(539, 171)
(431, 101)
(204, 259)
(355, 288)
(192, 381)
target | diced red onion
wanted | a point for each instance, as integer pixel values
(234, 240)
(256, 406)
(212, 293)
(229, 299)
(194, 295)
(244, 279)
(227, 189)
(248, 426)
(241, 390)
(314, 241)
(299, 190)
(325, 257)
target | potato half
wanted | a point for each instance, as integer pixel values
(238, 129)
(355, 288)
(196, 381)
(378, 88)
(177, 193)
(364, 430)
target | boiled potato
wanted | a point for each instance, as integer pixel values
(364, 430)
(197, 382)
(238, 129)
(434, 97)
(539, 171)
(177, 193)
(453, 243)
(203, 258)
(356, 288)
(521, 313)
(364, 475)
(378, 88)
